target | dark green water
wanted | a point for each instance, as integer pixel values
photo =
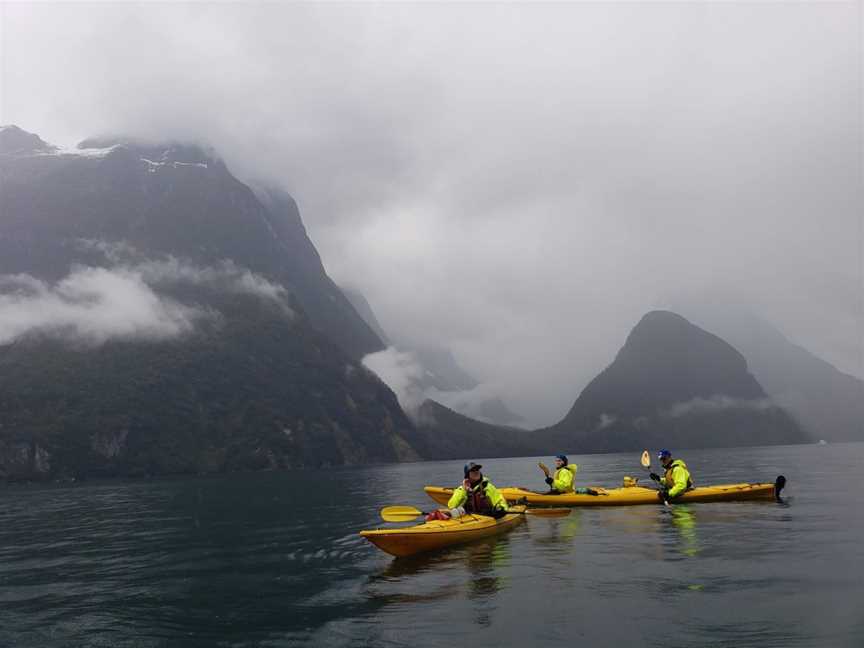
(274, 560)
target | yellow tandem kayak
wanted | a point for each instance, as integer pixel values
(437, 534)
(627, 496)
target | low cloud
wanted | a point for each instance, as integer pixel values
(95, 304)
(716, 403)
(401, 371)
(472, 402)
(90, 305)
(605, 421)
(227, 275)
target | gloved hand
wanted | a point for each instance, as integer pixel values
(662, 495)
(654, 476)
(548, 480)
(457, 512)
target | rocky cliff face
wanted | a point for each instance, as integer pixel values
(673, 384)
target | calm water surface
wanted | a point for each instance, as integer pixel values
(275, 560)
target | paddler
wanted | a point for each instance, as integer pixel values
(476, 494)
(565, 474)
(675, 481)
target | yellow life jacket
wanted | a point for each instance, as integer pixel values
(669, 479)
(563, 482)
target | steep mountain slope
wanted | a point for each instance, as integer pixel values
(673, 384)
(826, 401)
(438, 375)
(169, 199)
(445, 434)
(157, 316)
(252, 388)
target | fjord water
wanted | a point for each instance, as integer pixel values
(274, 559)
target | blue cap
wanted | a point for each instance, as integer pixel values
(471, 466)
(663, 454)
(562, 458)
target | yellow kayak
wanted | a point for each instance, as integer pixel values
(437, 534)
(627, 496)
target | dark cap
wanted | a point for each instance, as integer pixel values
(471, 466)
(562, 458)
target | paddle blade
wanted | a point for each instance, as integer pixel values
(549, 512)
(779, 484)
(646, 459)
(400, 513)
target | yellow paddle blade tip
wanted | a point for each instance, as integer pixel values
(399, 513)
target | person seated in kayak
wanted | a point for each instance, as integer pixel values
(476, 494)
(565, 474)
(676, 480)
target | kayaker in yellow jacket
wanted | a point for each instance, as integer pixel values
(565, 474)
(676, 480)
(476, 494)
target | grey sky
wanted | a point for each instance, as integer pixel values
(519, 182)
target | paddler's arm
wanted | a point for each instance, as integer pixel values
(494, 495)
(458, 498)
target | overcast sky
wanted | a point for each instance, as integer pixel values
(518, 182)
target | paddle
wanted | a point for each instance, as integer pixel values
(645, 460)
(408, 513)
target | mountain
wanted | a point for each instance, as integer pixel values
(673, 384)
(446, 434)
(364, 310)
(159, 199)
(250, 389)
(828, 403)
(157, 315)
(439, 375)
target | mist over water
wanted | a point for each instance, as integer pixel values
(274, 559)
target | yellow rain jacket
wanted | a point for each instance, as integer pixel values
(563, 479)
(477, 497)
(677, 478)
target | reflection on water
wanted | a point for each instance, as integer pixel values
(487, 573)
(685, 522)
(482, 568)
(556, 534)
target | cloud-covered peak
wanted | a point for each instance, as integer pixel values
(169, 151)
(17, 141)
